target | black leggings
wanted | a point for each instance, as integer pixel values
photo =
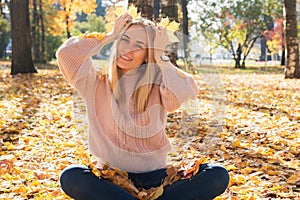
(81, 184)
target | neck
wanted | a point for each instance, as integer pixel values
(133, 71)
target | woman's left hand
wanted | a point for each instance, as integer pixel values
(160, 42)
(121, 22)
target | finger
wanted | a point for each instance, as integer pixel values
(126, 19)
(126, 16)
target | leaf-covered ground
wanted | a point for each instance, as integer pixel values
(249, 123)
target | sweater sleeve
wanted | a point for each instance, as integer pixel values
(177, 87)
(75, 62)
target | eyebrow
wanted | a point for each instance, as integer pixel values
(140, 42)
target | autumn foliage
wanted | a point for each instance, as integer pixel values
(67, 14)
(43, 130)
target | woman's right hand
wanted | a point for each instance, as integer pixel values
(121, 22)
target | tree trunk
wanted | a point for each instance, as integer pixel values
(156, 9)
(170, 9)
(38, 32)
(239, 58)
(292, 49)
(21, 41)
(67, 19)
(34, 31)
(43, 58)
(185, 27)
(282, 62)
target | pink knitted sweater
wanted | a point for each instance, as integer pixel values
(133, 142)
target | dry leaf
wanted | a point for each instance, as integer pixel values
(259, 141)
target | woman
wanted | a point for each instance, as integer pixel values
(127, 109)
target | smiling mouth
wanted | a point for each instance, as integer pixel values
(125, 58)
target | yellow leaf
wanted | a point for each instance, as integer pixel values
(242, 179)
(164, 22)
(246, 170)
(173, 26)
(236, 143)
(276, 188)
(13, 128)
(142, 195)
(293, 179)
(20, 189)
(97, 35)
(231, 167)
(35, 183)
(119, 11)
(8, 177)
(68, 114)
(132, 11)
(70, 144)
(157, 193)
(252, 197)
(223, 148)
(9, 146)
(48, 159)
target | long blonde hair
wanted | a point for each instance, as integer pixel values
(145, 83)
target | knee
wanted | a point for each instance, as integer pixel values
(221, 178)
(69, 176)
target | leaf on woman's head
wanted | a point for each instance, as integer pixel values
(173, 26)
(164, 22)
(132, 11)
(119, 11)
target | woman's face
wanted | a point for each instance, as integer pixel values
(132, 48)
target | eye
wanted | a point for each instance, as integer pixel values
(125, 39)
(139, 46)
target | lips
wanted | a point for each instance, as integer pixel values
(127, 58)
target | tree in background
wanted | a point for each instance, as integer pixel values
(291, 37)
(273, 9)
(234, 24)
(93, 23)
(100, 11)
(68, 10)
(21, 40)
(185, 27)
(169, 8)
(4, 35)
(276, 42)
(38, 32)
(264, 48)
(45, 41)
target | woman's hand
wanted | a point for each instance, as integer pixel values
(160, 42)
(121, 22)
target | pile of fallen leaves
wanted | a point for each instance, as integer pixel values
(38, 138)
(174, 173)
(253, 130)
(259, 140)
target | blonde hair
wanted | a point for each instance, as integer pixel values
(145, 83)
